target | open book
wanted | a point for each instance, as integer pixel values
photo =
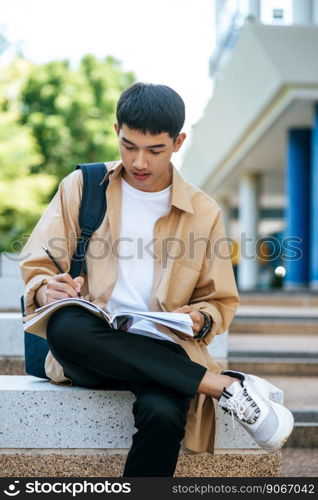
(178, 321)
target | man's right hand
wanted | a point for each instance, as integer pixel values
(62, 286)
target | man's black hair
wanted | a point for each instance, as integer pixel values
(151, 108)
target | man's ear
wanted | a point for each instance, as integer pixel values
(116, 127)
(179, 141)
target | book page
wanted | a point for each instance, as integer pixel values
(37, 324)
(71, 300)
(148, 328)
(179, 321)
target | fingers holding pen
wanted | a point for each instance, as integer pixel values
(79, 281)
(63, 286)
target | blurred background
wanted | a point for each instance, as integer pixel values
(247, 70)
(255, 149)
(63, 66)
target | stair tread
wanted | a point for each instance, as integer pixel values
(256, 310)
(281, 343)
(294, 394)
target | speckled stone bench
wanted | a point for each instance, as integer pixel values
(49, 430)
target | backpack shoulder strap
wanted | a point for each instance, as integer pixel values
(92, 211)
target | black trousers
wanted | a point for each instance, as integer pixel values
(159, 372)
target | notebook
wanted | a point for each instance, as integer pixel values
(37, 322)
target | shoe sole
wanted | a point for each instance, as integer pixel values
(285, 414)
(286, 420)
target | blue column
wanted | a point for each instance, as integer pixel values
(298, 208)
(314, 206)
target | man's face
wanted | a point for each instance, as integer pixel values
(146, 157)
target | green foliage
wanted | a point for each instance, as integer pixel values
(20, 196)
(22, 202)
(52, 117)
(71, 112)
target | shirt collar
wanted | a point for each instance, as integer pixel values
(180, 197)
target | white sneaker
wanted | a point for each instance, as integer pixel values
(270, 424)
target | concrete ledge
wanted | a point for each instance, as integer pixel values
(62, 417)
(305, 367)
(287, 327)
(10, 264)
(11, 289)
(291, 298)
(110, 463)
(304, 435)
(11, 334)
(78, 417)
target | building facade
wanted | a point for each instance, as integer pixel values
(255, 149)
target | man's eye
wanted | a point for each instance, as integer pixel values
(132, 148)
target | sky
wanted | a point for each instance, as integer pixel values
(163, 41)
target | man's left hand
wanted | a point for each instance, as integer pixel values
(197, 318)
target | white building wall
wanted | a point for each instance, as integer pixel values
(302, 11)
(254, 9)
(315, 11)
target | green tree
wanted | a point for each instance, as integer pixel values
(22, 197)
(71, 112)
(51, 117)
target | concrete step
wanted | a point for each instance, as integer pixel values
(305, 432)
(291, 345)
(275, 327)
(11, 283)
(11, 289)
(12, 365)
(11, 334)
(282, 355)
(39, 420)
(276, 320)
(302, 403)
(277, 313)
(11, 344)
(308, 298)
(9, 264)
(299, 462)
(294, 394)
(275, 366)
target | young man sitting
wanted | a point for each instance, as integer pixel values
(167, 252)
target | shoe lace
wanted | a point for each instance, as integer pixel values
(243, 407)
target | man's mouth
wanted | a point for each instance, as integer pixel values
(141, 177)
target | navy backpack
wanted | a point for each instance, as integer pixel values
(92, 212)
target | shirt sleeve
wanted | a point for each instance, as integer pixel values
(58, 229)
(216, 292)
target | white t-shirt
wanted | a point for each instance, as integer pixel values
(139, 212)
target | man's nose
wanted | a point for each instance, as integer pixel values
(140, 160)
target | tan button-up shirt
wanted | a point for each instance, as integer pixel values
(192, 265)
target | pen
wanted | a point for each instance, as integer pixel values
(55, 262)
